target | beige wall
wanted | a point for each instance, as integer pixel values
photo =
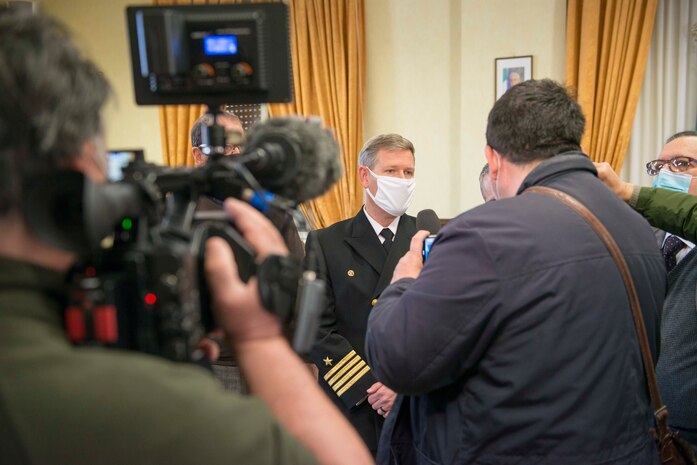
(99, 28)
(430, 70)
(412, 65)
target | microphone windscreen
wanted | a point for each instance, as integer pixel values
(428, 220)
(310, 158)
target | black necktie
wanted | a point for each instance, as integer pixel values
(388, 235)
(670, 250)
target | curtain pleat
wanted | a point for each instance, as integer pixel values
(327, 39)
(607, 45)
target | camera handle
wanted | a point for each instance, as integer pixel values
(213, 136)
(242, 251)
(312, 296)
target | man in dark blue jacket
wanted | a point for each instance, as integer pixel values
(516, 341)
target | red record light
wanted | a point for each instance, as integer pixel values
(150, 298)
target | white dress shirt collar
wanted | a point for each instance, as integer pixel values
(377, 227)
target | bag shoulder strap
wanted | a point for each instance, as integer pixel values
(660, 411)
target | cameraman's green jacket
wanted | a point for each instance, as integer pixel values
(65, 405)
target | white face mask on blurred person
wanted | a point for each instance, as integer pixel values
(393, 195)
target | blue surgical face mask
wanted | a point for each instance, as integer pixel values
(675, 181)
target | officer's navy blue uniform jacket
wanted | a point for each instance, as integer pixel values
(357, 269)
(516, 344)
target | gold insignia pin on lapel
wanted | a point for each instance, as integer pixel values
(328, 361)
(351, 273)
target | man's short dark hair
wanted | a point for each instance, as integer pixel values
(535, 120)
(198, 125)
(678, 135)
(50, 101)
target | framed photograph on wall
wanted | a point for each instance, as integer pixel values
(511, 71)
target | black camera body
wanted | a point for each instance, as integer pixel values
(155, 289)
(142, 282)
(145, 283)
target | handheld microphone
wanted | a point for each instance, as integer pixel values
(428, 220)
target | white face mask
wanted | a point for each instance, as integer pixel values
(394, 195)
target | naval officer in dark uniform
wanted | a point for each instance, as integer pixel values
(357, 257)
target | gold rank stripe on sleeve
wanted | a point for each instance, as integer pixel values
(338, 366)
(348, 377)
(358, 376)
(355, 361)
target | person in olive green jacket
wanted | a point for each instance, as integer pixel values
(671, 211)
(62, 404)
(671, 206)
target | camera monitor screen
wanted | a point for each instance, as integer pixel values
(220, 45)
(210, 54)
(118, 160)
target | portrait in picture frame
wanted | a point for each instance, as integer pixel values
(510, 71)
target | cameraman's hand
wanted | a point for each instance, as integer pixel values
(256, 229)
(273, 372)
(236, 304)
(211, 343)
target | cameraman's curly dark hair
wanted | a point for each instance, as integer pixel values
(50, 101)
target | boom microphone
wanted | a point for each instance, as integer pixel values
(428, 220)
(292, 157)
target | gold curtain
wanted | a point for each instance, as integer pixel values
(328, 46)
(607, 45)
(175, 124)
(328, 56)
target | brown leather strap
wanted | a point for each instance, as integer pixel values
(649, 370)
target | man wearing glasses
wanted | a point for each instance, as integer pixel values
(225, 368)
(674, 170)
(232, 124)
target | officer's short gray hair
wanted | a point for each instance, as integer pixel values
(391, 142)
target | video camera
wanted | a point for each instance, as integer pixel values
(142, 286)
